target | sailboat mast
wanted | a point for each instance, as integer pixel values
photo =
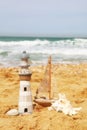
(49, 77)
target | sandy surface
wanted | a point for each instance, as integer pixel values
(69, 79)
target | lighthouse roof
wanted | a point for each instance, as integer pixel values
(24, 55)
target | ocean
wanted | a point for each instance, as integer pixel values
(62, 50)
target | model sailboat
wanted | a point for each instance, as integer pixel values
(45, 87)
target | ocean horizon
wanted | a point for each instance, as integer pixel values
(62, 49)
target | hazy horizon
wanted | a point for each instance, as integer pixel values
(48, 36)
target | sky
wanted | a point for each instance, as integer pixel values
(43, 17)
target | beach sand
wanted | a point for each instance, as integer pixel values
(70, 80)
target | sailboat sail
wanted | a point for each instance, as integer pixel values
(45, 85)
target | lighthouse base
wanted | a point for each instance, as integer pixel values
(25, 110)
(25, 98)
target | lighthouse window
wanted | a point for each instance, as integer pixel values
(25, 110)
(25, 88)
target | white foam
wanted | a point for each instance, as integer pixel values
(61, 50)
(23, 43)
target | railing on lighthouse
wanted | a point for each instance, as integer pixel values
(25, 95)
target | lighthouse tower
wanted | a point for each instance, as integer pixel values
(25, 96)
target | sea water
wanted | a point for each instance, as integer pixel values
(62, 50)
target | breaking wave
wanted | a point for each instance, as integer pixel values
(61, 49)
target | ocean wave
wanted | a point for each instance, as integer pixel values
(61, 50)
(23, 43)
(38, 42)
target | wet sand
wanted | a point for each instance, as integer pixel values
(70, 80)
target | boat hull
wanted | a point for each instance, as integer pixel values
(43, 102)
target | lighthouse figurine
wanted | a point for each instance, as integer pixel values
(25, 97)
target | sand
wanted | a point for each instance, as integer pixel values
(70, 80)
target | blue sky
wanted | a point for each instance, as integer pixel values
(43, 17)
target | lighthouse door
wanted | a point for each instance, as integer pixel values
(25, 88)
(25, 110)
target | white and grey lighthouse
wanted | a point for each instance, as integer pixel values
(25, 95)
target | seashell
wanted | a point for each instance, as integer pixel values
(12, 112)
